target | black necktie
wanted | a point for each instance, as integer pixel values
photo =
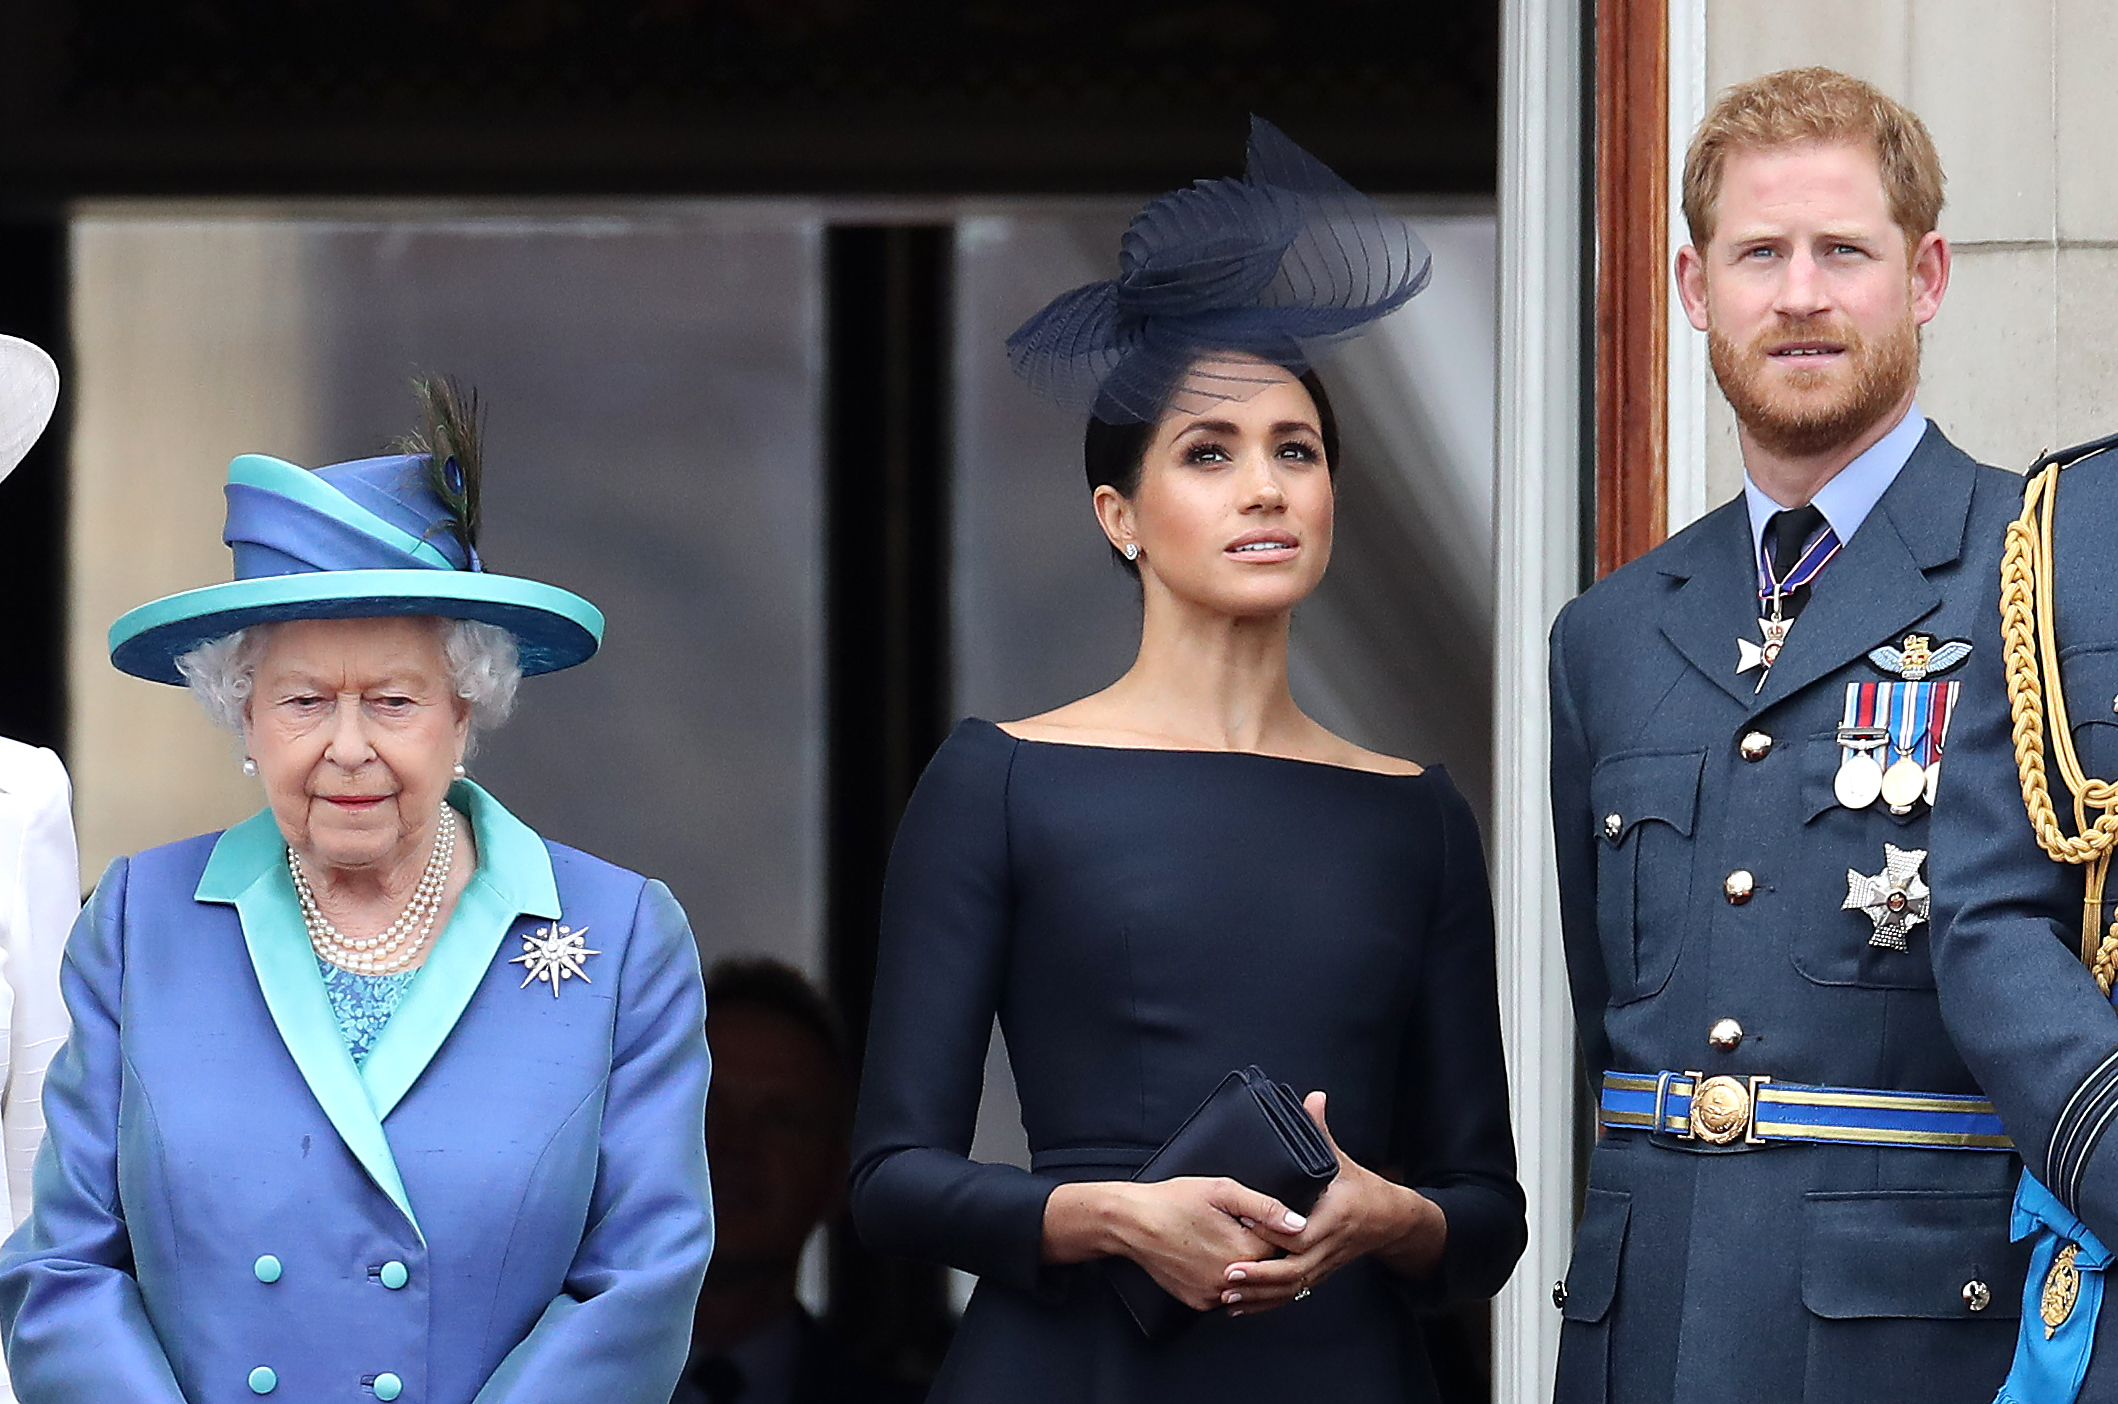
(719, 1379)
(1789, 534)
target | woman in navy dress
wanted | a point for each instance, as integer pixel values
(1184, 874)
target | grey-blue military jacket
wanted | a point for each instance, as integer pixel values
(2023, 1009)
(1704, 868)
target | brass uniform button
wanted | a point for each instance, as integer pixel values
(1756, 746)
(1977, 1296)
(1738, 887)
(1613, 825)
(1725, 1034)
(1559, 1294)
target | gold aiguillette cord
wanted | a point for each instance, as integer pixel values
(2030, 649)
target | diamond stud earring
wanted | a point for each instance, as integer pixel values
(1132, 550)
(250, 767)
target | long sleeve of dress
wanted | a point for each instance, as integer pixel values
(943, 954)
(623, 1325)
(1457, 1072)
(75, 1324)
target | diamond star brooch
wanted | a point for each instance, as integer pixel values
(1895, 899)
(555, 953)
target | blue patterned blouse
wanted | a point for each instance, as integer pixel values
(362, 1004)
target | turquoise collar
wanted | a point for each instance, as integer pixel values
(248, 870)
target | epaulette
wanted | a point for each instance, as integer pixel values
(2067, 456)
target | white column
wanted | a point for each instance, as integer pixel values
(1689, 496)
(1536, 511)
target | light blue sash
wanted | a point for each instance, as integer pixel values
(2049, 1369)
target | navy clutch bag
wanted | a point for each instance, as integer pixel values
(1251, 1130)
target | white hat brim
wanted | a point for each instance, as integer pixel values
(29, 391)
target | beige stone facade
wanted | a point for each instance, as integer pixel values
(2021, 100)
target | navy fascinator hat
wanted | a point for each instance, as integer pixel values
(1278, 267)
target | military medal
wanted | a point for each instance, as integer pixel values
(1860, 778)
(555, 953)
(2062, 1287)
(1905, 781)
(1890, 739)
(1773, 627)
(1895, 899)
(1773, 630)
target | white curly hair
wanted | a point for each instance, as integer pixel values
(483, 665)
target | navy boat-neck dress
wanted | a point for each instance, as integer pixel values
(1142, 922)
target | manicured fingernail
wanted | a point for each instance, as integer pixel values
(1237, 1274)
(1296, 1222)
(1231, 1298)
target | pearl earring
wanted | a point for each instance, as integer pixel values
(459, 770)
(1132, 550)
(250, 767)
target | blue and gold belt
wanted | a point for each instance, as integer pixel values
(1751, 1111)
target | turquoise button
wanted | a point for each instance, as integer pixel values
(263, 1381)
(388, 1386)
(395, 1274)
(267, 1269)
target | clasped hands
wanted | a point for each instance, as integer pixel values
(1214, 1242)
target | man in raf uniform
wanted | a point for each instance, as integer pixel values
(2026, 934)
(1798, 1191)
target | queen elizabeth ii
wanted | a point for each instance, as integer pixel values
(377, 1094)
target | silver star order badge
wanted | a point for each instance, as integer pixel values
(1895, 899)
(1763, 656)
(555, 953)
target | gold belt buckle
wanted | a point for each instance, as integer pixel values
(1724, 1109)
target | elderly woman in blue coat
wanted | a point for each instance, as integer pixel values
(378, 1094)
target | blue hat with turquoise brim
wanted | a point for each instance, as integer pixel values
(352, 541)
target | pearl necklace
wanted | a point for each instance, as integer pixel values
(399, 944)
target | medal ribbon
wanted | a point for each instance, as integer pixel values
(1910, 704)
(1944, 708)
(1815, 556)
(1860, 707)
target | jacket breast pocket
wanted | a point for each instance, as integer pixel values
(1892, 1277)
(2090, 675)
(1645, 804)
(1832, 943)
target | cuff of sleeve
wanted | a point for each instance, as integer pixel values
(1486, 1235)
(2084, 1119)
(1017, 1249)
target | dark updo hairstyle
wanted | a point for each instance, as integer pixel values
(1114, 454)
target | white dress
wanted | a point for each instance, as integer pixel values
(40, 894)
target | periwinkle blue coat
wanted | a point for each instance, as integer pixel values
(535, 1164)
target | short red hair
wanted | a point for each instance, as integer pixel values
(1805, 106)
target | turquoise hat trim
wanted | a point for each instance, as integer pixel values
(553, 628)
(288, 480)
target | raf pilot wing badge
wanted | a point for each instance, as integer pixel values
(1918, 657)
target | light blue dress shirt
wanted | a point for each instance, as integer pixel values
(1853, 491)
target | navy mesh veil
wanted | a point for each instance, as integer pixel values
(1279, 267)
